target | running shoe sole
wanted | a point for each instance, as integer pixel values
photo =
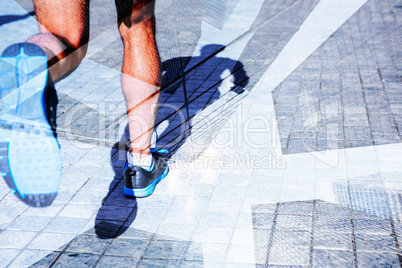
(30, 159)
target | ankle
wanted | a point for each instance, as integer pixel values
(142, 160)
(140, 152)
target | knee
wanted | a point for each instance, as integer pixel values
(58, 47)
(142, 12)
(75, 44)
(69, 39)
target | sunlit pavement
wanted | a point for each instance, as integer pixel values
(298, 166)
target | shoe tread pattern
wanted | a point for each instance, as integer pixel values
(31, 162)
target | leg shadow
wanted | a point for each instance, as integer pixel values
(12, 18)
(182, 114)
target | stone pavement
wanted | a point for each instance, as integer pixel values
(283, 122)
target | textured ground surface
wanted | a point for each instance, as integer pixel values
(284, 132)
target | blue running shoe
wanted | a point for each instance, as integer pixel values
(30, 159)
(139, 182)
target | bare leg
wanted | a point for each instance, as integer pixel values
(140, 74)
(63, 33)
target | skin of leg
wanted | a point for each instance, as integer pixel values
(64, 33)
(140, 74)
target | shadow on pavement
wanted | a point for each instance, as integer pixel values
(206, 81)
(12, 18)
(136, 248)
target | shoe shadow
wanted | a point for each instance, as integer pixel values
(198, 95)
(118, 211)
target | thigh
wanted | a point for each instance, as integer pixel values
(68, 20)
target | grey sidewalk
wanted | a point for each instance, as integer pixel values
(295, 171)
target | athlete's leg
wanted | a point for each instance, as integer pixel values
(28, 111)
(141, 86)
(64, 33)
(140, 72)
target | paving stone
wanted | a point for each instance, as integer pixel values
(333, 245)
(127, 247)
(78, 210)
(27, 257)
(372, 226)
(76, 259)
(333, 257)
(117, 199)
(63, 196)
(5, 220)
(15, 239)
(240, 255)
(7, 255)
(161, 249)
(118, 261)
(373, 259)
(49, 241)
(66, 225)
(294, 223)
(293, 256)
(375, 243)
(89, 196)
(12, 207)
(209, 218)
(342, 96)
(291, 238)
(114, 213)
(358, 59)
(209, 234)
(160, 263)
(333, 240)
(50, 211)
(132, 247)
(87, 244)
(29, 223)
(105, 229)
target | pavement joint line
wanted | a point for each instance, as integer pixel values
(304, 27)
(231, 43)
(239, 38)
(40, 232)
(361, 86)
(379, 73)
(381, 152)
